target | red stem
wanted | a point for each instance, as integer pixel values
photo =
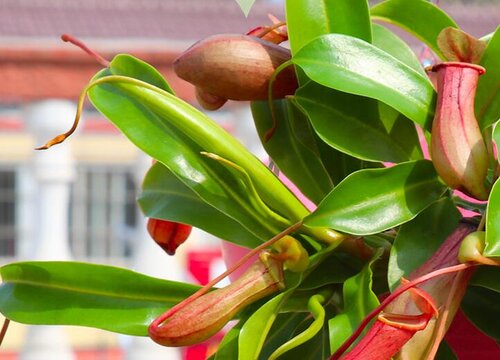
(5, 326)
(101, 60)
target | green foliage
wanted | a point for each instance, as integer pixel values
(395, 196)
(354, 66)
(71, 293)
(349, 138)
(421, 18)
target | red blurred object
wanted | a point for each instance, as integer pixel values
(168, 234)
(468, 342)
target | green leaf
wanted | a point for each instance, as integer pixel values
(358, 126)
(281, 331)
(373, 200)
(164, 196)
(287, 147)
(316, 348)
(256, 328)
(308, 19)
(334, 270)
(487, 100)
(487, 277)
(354, 66)
(492, 248)
(124, 64)
(175, 134)
(482, 307)
(419, 17)
(418, 239)
(228, 347)
(359, 300)
(392, 44)
(69, 293)
(245, 5)
(165, 112)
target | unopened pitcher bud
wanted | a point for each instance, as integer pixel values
(458, 151)
(203, 317)
(236, 67)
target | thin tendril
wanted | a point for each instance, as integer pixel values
(106, 79)
(269, 133)
(206, 288)
(271, 28)
(101, 60)
(391, 297)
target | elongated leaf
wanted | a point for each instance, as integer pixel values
(287, 147)
(316, 348)
(69, 293)
(308, 19)
(418, 239)
(124, 64)
(282, 330)
(392, 44)
(175, 134)
(487, 100)
(419, 17)
(195, 126)
(164, 196)
(359, 300)
(373, 200)
(335, 270)
(482, 307)
(354, 66)
(253, 333)
(492, 247)
(354, 125)
(228, 347)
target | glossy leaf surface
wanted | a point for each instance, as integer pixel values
(359, 300)
(373, 200)
(492, 247)
(419, 17)
(175, 134)
(308, 19)
(418, 239)
(293, 147)
(70, 293)
(487, 100)
(253, 333)
(392, 44)
(354, 66)
(164, 196)
(358, 126)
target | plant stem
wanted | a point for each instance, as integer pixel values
(5, 327)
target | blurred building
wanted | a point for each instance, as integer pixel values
(40, 80)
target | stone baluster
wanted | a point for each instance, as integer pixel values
(53, 171)
(150, 259)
